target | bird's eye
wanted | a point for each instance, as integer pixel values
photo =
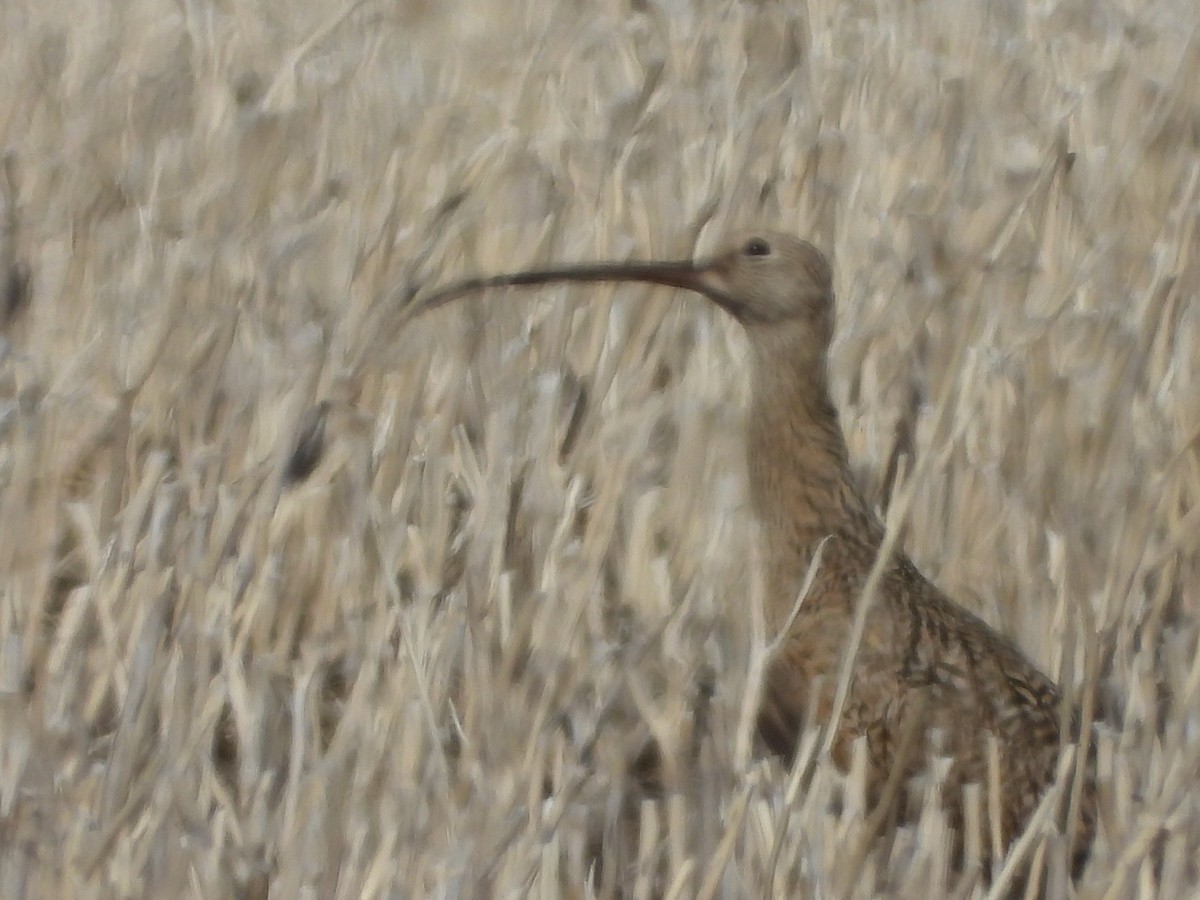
(757, 247)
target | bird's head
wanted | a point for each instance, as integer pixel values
(770, 282)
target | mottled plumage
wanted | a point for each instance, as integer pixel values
(925, 666)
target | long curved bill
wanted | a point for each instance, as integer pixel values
(701, 277)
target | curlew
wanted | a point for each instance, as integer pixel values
(922, 665)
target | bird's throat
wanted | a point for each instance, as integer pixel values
(801, 486)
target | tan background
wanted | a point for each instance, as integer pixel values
(420, 671)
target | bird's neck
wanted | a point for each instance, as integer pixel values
(800, 480)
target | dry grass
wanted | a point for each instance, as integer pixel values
(421, 670)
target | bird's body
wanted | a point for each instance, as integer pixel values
(925, 668)
(923, 663)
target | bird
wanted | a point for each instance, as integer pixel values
(925, 667)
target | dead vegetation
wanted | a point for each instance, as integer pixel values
(407, 642)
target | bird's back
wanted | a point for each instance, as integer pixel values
(925, 668)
